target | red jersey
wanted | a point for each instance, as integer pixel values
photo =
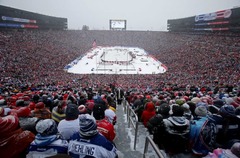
(106, 129)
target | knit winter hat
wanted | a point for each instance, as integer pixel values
(202, 104)
(180, 101)
(88, 126)
(31, 105)
(227, 111)
(195, 100)
(72, 112)
(40, 105)
(110, 115)
(186, 108)
(235, 149)
(229, 101)
(82, 109)
(163, 109)
(46, 127)
(201, 110)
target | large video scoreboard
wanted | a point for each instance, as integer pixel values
(224, 20)
(118, 24)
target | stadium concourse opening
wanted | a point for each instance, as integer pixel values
(116, 60)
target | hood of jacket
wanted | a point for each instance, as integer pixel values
(44, 140)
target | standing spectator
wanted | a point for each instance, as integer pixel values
(110, 116)
(120, 95)
(155, 124)
(103, 125)
(70, 125)
(148, 113)
(230, 126)
(176, 131)
(88, 142)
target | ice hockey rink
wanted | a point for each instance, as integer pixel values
(116, 60)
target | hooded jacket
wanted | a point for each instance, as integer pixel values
(148, 113)
(44, 146)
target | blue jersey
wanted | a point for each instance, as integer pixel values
(47, 146)
(95, 147)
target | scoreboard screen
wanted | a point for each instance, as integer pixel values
(118, 24)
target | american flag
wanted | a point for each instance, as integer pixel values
(94, 45)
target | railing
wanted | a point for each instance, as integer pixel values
(130, 115)
(125, 106)
(149, 140)
(134, 122)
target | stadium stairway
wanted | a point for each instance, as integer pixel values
(125, 138)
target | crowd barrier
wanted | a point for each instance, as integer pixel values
(157, 151)
(132, 119)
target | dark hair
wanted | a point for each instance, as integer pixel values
(177, 110)
(60, 106)
(98, 111)
(72, 112)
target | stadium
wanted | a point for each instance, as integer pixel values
(49, 73)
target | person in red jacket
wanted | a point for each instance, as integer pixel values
(148, 113)
(13, 140)
(103, 125)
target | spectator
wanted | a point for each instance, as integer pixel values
(176, 129)
(155, 123)
(82, 109)
(47, 142)
(70, 125)
(41, 111)
(14, 140)
(148, 113)
(88, 141)
(58, 112)
(110, 116)
(234, 152)
(104, 127)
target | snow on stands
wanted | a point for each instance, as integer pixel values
(116, 60)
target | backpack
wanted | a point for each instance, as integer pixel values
(202, 136)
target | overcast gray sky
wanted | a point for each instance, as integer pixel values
(140, 14)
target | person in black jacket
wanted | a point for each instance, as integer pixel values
(155, 124)
(175, 132)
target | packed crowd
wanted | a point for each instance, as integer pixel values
(191, 122)
(37, 95)
(196, 60)
(58, 123)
